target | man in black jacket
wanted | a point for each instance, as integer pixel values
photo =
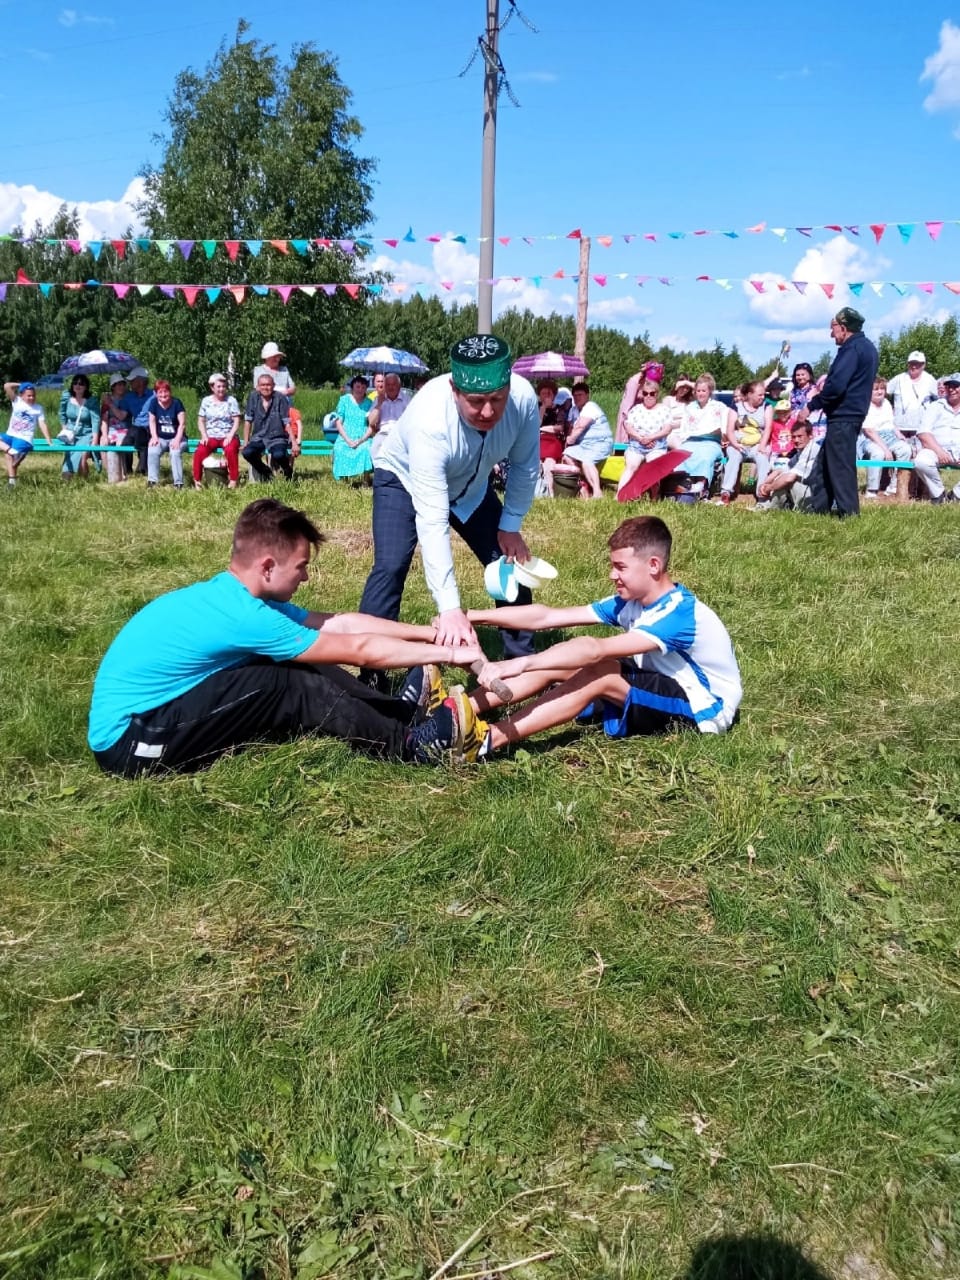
(845, 399)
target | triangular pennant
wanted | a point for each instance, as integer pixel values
(906, 230)
(800, 286)
(238, 292)
(309, 289)
(782, 288)
(761, 226)
(434, 239)
(329, 289)
(392, 243)
(536, 281)
(120, 290)
(447, 284)
(642, 280)
(649, 235)
(833, 226)
(854, 231)
(213, 292)
(780, 233)
(233, 248)
(261, 290)
(168, 290)
(301, 247)
(934, 228)
(724, 284)
(281, 246)
(925, 286)
(628, 239)
(504, 240)
(528, 239)
(345, 246)
(677, 235)
(143, 243)
(284, 291)
(877, 287)
(459, 239)
(900, 288)
(144, 289)
(323, 243)
(119, 248)
(3, 293)
(96, 248)
(952, 285)
(804, 231)
(759, 286)
(364, 243)
(703, 233)
(92, 284)
(732, 235)
(558, 275)
(74, 285)
(186, 248)
(165, 247)
(254, 247)
(856, 289)
(574, 234)
(703, 277)
(410, 238)
(878, 228)
(75, 245)
(828, 289)
(190, 292)
(45, 289)
(664, 279)
(601, 281)
(23, 278)
(209, 248)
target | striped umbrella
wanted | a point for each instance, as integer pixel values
(551, 364)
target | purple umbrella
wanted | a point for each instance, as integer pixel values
(98, 362)
(551, 364)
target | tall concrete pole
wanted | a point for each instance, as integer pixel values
(583, 298)
(488, 171)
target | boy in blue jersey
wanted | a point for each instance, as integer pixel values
(671, 666)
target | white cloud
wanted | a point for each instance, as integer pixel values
(620, 310)
(535, 77)
(787, 312)
(73, 18)
(25, 205)
(908, 310)
(678, 341)
(943, 69)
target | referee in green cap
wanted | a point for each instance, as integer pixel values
(433, 475)
(845, 399)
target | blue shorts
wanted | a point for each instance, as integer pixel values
(15, 444)
(655, 704)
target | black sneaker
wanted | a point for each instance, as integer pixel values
(429, 742)
(424, 687)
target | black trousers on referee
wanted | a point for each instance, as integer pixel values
(833, 480)
(395, 540)
(262, 701)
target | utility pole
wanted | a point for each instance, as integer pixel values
(583, 292)
(491, 76)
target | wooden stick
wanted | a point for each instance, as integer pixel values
(502, 691)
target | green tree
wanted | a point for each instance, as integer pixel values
(256, 150)
(940, 343)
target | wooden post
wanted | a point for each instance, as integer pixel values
(583, 293)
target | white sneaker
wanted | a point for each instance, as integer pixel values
(872, 493)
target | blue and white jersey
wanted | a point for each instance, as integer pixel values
(693, 648)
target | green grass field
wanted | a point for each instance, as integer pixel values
(618, 1010)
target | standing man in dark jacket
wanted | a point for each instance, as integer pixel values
(845, 399)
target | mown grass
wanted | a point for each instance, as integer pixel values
(305, 1015)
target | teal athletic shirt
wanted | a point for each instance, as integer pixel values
(182, 637)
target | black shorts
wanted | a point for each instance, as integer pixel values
(656, 704)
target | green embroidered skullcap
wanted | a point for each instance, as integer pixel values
(480, 363)
(850, 319)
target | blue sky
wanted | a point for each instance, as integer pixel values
(632, 121)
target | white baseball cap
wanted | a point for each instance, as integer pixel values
(916, 357)
(138, 371)
(271, 349)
